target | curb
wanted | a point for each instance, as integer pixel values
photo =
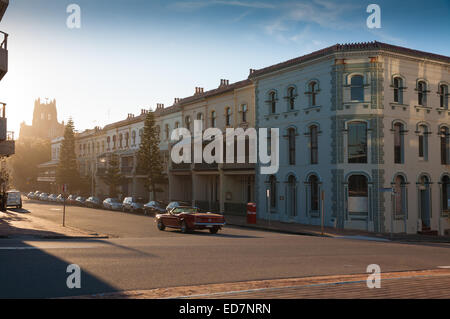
(284, 231)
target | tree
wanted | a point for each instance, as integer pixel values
(30, 152)
(67, 170)
(149, 158)
(113, 177)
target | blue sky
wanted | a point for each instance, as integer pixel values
(133, 54)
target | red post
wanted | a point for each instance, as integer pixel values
(251, 213)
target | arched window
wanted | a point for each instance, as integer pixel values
(445, 186)
(114, 142)
(273, 102)
(424, 200)
(358, 192)
(398, 90)
(213, 119)
(228, 116)
(357, 88)
(291, 98)
(120, 140)
(313, 90)
(313, 182)
(443, 96)
(445, 145)
(133, 137)
(177, 124)
(398, 143)
(422, 93)
(200, 117)
(127, 139)
(108, 141)
(400, 200)
(291, 138)
(357, 142)
(313, 144)
(292, 195)
(273, 191)
(187, 122)
(423, 142)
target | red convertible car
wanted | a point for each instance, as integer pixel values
(188, 218)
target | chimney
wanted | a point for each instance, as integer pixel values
(224, 82)
(159, 106)
(198, 90)
(176, 100)
(252, 71)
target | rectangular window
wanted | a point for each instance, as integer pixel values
(398, 144)
(421, 146)
(314, 145)
(357, 143)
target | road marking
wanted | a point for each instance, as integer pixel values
(49, 247)
(444, 267)
(58, 209)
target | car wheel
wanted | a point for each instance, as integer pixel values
(184, 228)
(160, 225)
(214, 230)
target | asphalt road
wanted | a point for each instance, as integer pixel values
(138, 256)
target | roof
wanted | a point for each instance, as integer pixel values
(219, 90)
(363, 46)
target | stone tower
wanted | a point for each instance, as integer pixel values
(45, 121)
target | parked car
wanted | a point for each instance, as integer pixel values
(52, 198)
(133, 204)
(154, 207)
(93, 202)
(71, 199)
(36, 195)
(112, 203)
(80, 201)
(172, 205)
(14, 198)
(187, 218)
(60, 198)
(43, 197)
(30, 195)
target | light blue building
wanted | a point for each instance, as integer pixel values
(357, 121)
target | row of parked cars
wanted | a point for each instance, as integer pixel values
(129, 204)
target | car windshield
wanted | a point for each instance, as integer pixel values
(187, 210)
(115, 201)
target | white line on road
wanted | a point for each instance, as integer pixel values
(49, 247)
(444, 267)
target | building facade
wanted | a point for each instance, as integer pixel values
(216, 186)
(356, 122)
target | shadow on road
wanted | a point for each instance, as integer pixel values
(28, 272)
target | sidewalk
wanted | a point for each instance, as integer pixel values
(310, 230)
(428, 284)
(20, 223)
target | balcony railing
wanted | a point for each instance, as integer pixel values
(4, 43)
